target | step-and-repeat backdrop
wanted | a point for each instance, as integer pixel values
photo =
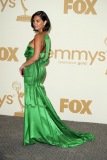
(76, 81)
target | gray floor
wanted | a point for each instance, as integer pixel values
(11, 148)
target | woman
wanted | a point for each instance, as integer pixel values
(41, 122)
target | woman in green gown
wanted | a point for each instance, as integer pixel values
(41, 122)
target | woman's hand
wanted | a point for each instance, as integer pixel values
(21, 69)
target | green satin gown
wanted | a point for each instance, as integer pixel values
(41, 122)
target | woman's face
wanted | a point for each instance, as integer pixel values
(38, 23)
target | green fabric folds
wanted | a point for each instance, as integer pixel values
(41, 122)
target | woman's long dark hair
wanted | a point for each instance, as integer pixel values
(44, 17)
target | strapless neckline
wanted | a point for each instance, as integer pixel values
(33, 48)
(30, 46)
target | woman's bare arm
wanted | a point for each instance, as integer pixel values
(38, 45)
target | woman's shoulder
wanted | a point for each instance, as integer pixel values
(38, 37)
(41, 35)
